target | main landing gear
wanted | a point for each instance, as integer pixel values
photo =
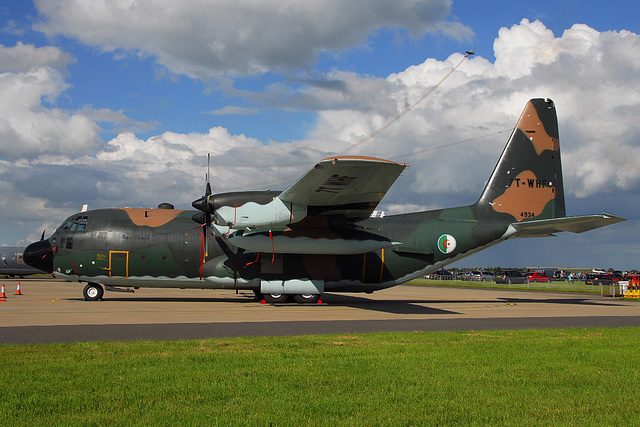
(282, 298)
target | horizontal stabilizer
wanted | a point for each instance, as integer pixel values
(574, 224)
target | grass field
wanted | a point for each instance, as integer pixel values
(536, 377)
(558, 286)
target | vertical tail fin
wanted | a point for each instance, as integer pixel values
(527, 181)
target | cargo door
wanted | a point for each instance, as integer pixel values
(119, 264)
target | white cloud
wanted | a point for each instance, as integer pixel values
(592, 76)
(234, 110)
(31, 80)
(519, 48)
(25, 57)
(205, 38)
(121, 123)
(28, 128)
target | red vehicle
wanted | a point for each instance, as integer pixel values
(538, 277)
(632, 277)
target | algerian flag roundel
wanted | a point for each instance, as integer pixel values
(446, 243)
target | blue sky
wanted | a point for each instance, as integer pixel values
(117, 104)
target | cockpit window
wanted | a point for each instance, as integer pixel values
(78, 223)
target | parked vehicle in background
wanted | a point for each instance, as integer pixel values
(590, 278)
(537, 276)
(488, 276)
(616, 275)
(442, 275)
(632, 277)
(509, 276)
(484, 276)
(599, 279)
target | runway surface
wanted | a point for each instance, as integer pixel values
(53, 311)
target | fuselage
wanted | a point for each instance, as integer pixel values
(166, 248)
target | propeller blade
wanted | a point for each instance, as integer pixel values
(205, 206)
(208, 189)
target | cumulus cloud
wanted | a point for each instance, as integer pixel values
(592, 76)
(25, 57)
(31, 80)
(27, 127)
(205, 38)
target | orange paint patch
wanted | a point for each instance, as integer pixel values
(151, 217)
(521, 200)
(532, 126)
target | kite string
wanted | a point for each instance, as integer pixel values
(452, 144)
(391, 122)
(292, 177)
(411, 107)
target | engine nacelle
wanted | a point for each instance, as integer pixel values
(253, 215)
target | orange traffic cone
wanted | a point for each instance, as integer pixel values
(18, 291)
(3, 294)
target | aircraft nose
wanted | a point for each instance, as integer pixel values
(39, 255)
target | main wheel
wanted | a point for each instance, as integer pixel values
(276, 298)
(93, 292)
(306, 298)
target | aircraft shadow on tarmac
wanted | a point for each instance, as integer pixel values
(334, 300)
(406, 307)
(426, 306)
(413, 306)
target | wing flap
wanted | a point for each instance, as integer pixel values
(573, 224)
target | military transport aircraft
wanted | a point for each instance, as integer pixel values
(319, 234)
(12, 264)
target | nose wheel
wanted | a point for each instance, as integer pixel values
(93, 292)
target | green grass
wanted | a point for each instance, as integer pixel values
(537, 377)
(557, 286)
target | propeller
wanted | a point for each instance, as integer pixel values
(206, 208)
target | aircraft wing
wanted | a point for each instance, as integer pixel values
(574, 224)
(351, 186)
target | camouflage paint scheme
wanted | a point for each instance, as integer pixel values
(166, 248)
